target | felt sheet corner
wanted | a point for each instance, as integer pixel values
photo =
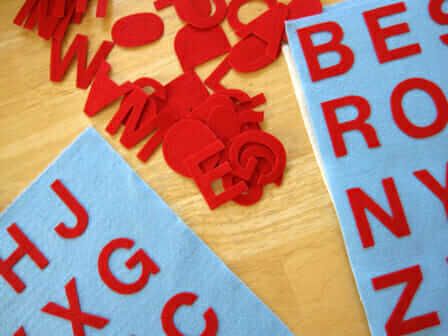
(90, 249)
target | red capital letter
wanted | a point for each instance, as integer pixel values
(440, 102)
(432, 184)
(204, 180)
(435, 10)
(397, 325)
(82, 218)
(78, 50)
(337, 129)
(25, 247)
(395, 223)
(73, 313)
(312, 52)
(140, 257)
(380, 35)
(186, 299)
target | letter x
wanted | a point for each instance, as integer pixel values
(73, 313)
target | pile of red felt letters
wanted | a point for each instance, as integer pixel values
(205, 135)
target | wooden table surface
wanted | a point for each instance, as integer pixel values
(288, 248)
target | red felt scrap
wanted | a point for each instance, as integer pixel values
(214, 80)
(35, 13)
(204, 179)
(299, 8)
(255, 190)
(104, 91)
(81, 6)
(101, 8)
(137, 29)
(249, 55)
(258, 137)
(131, 109)
(203, 110)
(195, 46)
(187, 11)
(58, 8)
(270, 28)
(182, 95)
(184, 138)
(232, 16)
(77, 50)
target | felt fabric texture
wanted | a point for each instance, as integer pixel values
(119, 205)
(137, 29)
(399, 156)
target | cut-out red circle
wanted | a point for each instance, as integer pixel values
(137, 29)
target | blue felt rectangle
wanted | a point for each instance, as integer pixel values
(119, 204)
(398, 157)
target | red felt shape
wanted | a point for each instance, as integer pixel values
(77, 50)
(182, 94)
(204, 179)
(101, 8)
(232, 16)
(197, 46)
(148, 267)
(214, 80)
(137, 29)
(299, 8)
(202, 111)
(265, 160)
(58, 8)
(263, 139)
(187, 11)
(35, 13)
(104, 91)
(270, 28)
(20, 332)
(24, 248)
(249, 55)
(255, 190)
(130, 114)
(73, 313)
(82, 218)
(184, 138)
(186, 299)
(81, 6)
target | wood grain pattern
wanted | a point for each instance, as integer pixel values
(288, 248)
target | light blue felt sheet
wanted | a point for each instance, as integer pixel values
(398, 157)
(119, 204)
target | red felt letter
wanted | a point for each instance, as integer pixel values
(25, 247)
(435, 10)
(380, 35)
(434, 186)
(337, 129)
(312, 52)
(395, 223)
(20, 332)
(73, 313)
(397, 325)
(186, 299)
(82, 218)
(140, 257)
(78, 50)
(204, 179)
(440, 102)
